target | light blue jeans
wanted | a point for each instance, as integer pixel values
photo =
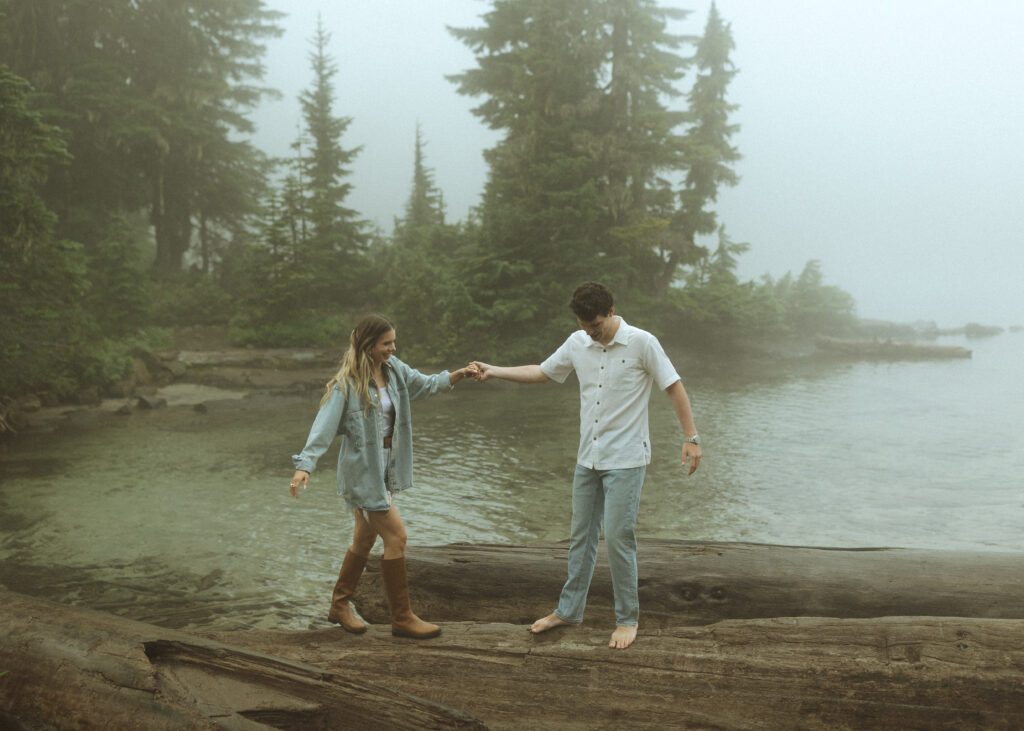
(611, 496)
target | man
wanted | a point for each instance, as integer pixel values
(616, 365)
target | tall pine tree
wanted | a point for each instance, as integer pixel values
(709, 150)
(337, 236)
(42, 278)
(425, 273)
(538, 67)
(639, 142)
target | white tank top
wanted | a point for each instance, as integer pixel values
(387, 409)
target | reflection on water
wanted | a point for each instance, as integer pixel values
(183, 518)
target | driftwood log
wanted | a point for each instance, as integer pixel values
(787, 673)
(685, 583)
(732, 636)
(66, 668)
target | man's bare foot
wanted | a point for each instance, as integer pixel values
(622, 637)
(549, 622)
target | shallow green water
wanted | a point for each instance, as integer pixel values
(184, 519)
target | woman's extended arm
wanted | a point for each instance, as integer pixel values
(469, 371)
(323, 432)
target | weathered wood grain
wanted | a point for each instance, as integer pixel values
(732, 636)
(77, 669)
(696, 583)
(785, 673)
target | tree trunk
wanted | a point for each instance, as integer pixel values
(171, 216)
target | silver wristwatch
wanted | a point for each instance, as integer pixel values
(695, 439)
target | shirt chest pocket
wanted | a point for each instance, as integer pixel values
(353, 426)
(626, 374)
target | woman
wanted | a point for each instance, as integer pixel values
(367, 403)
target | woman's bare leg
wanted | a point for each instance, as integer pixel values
(388, 525)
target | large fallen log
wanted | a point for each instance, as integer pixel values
(809, 673)
(692, 583)
(66, 668)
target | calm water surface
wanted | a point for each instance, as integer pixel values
(183, 518)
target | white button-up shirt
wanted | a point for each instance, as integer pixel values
(615, 388)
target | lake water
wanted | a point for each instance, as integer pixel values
(184, 519)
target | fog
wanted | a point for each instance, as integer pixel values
(885, 139)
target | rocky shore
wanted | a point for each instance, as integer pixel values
(733, 636)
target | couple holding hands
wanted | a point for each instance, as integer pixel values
(368, 404)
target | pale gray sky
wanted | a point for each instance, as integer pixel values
(884, 138)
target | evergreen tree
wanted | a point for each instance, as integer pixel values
(813, 307)
(424, 272)
(41, 277)
(233, 181)
(708, 150)
(150, 92)
(725, 258)
(638, 141)
(73, 53)
(538, 66)
(190, 64)
(425, 206)
(337, 237)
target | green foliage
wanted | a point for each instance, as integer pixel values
(812, 307)
(320, 329)
(717, 308)
(41, 279)
(425, 206)
(707, 147)
(150, 95)
(191, 298)
(332, 247)
(43, 327)
(120, 297)
(137, 109)
(425, 293)
(539, 69)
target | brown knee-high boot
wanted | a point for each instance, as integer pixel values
(403, 622)
(340, 612)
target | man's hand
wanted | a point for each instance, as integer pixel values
(691, 456)
(482, 370)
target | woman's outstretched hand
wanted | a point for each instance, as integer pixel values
(467, 372)
(299, 479)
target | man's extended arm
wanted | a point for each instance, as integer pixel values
(519, 374)
(681, 403)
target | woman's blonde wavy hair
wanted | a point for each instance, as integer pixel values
(357, 363)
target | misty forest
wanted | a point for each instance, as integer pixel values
(132, 203)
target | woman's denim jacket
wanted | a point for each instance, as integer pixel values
(361, 459)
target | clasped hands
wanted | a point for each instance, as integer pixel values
(476, 370)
